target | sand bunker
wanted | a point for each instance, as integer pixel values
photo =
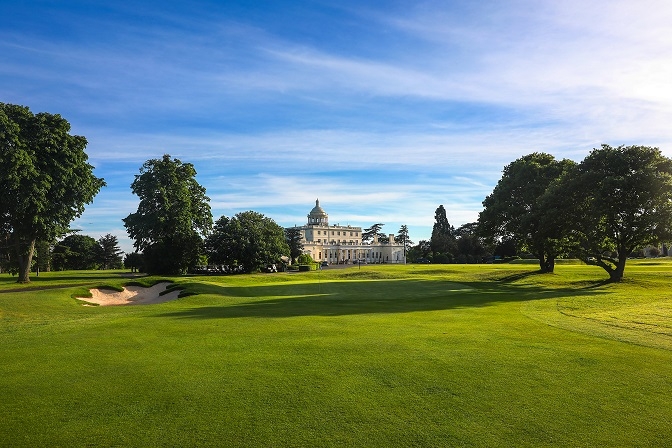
(132, 295)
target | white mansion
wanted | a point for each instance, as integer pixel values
(343, 244)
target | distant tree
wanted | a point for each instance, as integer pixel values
(134, 261)
(375, 230)
(471, 248)
(403, 238)
(172, 217)
(45, 179)
(513, 211)
(443, 239)
(421, 250)
(506, 247)
(614, 201)
(75, 252)
(43, 255)
(305, 259)
(108, 253)
(294, 240)
(7, 258)
(248, 239)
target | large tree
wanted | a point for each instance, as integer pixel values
(172, 218)
(45, 179)
(614, 201)
(248, 239)
(513, 211)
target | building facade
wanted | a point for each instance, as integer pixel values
(337, 244)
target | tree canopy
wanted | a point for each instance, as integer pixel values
(248, 239)
(614, 201)
(372, 232)
(172, 218)
(108, 252)
(134, 262)
(45, 179)
(513, 210)
(402, 237)
(75, 252)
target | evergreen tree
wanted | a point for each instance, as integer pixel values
(403, 238)
(294, 241)
(374, 230)
(108, 252)
(443, 238)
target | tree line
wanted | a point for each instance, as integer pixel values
(615, 201)
(601, 210)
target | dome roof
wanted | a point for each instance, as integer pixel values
(317, 211)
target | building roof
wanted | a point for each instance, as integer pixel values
(317, 211)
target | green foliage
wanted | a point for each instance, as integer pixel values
(248, 239)
(45, 179)
(42, 256)
(172, 217)
(108, 252)
(471, 247)
(614, 201)
(443, 239)
(512, 211)
(373, 231)
(305, 259)
(75, 252)
(134, 261)
(404, 238)
(294, 241)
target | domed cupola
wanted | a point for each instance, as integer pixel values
(318, 216)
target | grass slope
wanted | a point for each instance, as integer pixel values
(379, 356)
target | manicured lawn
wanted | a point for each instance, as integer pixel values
(413, 355)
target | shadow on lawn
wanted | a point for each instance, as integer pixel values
(357, 297)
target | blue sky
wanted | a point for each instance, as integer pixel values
(381, 109)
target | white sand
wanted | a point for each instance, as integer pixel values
(131, 295)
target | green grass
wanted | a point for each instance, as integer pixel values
(418, 355)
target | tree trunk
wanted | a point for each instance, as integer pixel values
(546, 264)
(616, 275)
(25, 257)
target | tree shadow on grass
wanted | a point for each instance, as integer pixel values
(520, 275)
(594, 284)
(361, 297)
